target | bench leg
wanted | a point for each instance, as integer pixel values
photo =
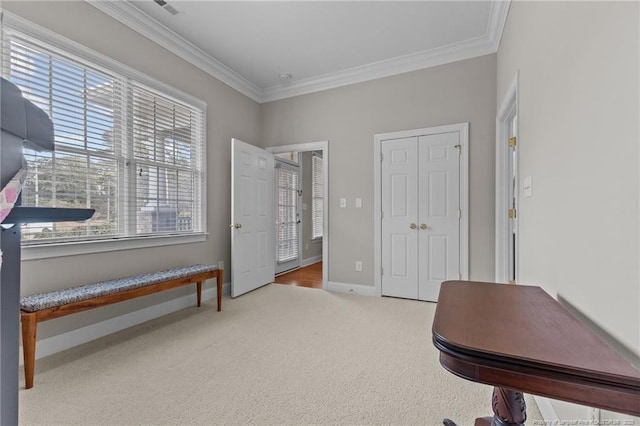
(219, 288)
(29, 328)
(199, 292)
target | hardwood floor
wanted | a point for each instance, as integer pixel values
(309, 276)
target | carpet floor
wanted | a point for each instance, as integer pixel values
(278, 355)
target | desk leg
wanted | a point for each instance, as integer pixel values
(509, 409)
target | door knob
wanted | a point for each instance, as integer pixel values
(235, 225)
(412, 226)
(423, 226)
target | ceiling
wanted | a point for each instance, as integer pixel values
(321, 44)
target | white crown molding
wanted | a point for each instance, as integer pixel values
(131, 16)
(497, 21)
(135, 19)
(467, 49)
(398, 65)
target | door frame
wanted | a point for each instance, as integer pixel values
(463, 129)
(324, 147)
(508, 108)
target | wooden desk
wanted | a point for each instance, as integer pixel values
(519, 339)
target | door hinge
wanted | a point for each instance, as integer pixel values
(512, 142)
(381, 270)
(381, 157)
(459, 149)
(381, 214)
(459, 214)
(511, 213)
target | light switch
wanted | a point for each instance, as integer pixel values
(527, 187)
(358, 203)
(343, 203)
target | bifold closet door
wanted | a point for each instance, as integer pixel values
(438, 206)
(400, 217)
(420, 233)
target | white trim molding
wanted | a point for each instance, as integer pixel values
(497, 21)
(463, 129)
(398, 65)
(361, 289)
(134, 18)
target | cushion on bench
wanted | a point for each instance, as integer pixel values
(40, 301)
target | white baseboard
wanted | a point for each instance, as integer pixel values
(311, 260)
(546, 409)
(61, 342)
(364, 290)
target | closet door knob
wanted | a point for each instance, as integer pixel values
(413, 226)
(423, 226)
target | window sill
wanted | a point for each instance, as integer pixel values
(89, 247)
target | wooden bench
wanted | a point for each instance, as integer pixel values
(45, 306)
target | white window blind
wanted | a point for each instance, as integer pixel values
(122, 147)
(317, 196)
(288, 180)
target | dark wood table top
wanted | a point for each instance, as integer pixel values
(519, 337)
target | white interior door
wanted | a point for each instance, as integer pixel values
(252, 216)
(421, 206)
(439, 204)
(400, 217)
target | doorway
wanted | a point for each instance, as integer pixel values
(253, 240)
(312, 222)
(288, 193)
(421, 199)
(507, 185)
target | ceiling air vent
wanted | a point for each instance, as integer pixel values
(166, 6)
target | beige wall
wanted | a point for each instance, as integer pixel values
(350, 116)
(578, 114)
(229, 114)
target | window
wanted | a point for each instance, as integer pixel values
(125, 145)
(317, 194)
(288, 181)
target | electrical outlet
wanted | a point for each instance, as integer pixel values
(221, 265)
(359, 265)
